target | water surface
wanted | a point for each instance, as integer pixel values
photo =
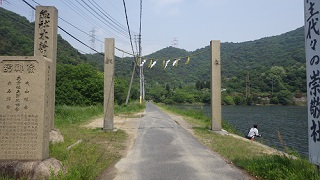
(290, 121)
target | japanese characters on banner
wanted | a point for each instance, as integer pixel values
(312, 36)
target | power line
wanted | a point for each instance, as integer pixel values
(108, 16)
(125, 10)
(77, 29)
(66, 31)
(16, 20)
(102, 19)
(135, 59)
(92, 21)
(150, 58)
(36, 3)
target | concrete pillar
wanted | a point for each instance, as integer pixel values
(215, 86)
(45, 44)
(108, 84)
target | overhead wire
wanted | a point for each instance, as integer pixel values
(16, 5)
(126, 52)
(36, 2)
(73, 5)
(67, 32)
(127, 20)
(93, 12)
(16, 20)
(84, 15)
(79, 29)
(108, 16)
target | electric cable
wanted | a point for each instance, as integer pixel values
(67, 32)
(70, 33)
(90, 20)
(127, 20)
(132, 54)
(103, 20)
(108, 15)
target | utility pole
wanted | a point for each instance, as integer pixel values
(132, 75)
(140, 63)
(141, 70)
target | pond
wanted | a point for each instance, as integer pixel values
(290, 121)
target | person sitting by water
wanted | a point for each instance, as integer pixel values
(253, 132)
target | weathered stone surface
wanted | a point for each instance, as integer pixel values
(45, 44)
(24, 107)
(215, 86)
(44, 169)
(30, 169)
(56, 136)
(108, 84)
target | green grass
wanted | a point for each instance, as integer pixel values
(98, 150)
(244, 153)
(131, 108)
(278, 167)
(71, 115)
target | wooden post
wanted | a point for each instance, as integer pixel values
(215, 86)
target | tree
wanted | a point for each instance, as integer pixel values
(284, 97)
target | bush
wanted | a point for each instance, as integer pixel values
(239, 100)
(284, 97)
(227, 100)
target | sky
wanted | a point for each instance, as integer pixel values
(185, 24)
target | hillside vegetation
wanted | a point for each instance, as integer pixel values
(275, 67)
(79, 81)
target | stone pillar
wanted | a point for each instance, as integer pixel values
(45, 44)
(25, 84)
(215, 86)
(108, 84)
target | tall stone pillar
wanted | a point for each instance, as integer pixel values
(215, 86)
(45, 44)
(108, 84)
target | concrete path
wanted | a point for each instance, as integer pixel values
(164, 150)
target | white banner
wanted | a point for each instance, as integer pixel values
(312, 36)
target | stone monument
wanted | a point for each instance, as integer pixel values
(27, 86)
(24, 107)
(45, 44)
(215, 86)
(108, 84)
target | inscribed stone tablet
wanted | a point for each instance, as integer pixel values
(24, 102)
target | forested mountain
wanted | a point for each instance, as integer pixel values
(78, 82)
(237, 60)
(257, 56)
(17, 37)
(274, 64)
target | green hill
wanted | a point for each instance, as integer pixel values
(17, 37)
(78, 82)
(274, 63)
